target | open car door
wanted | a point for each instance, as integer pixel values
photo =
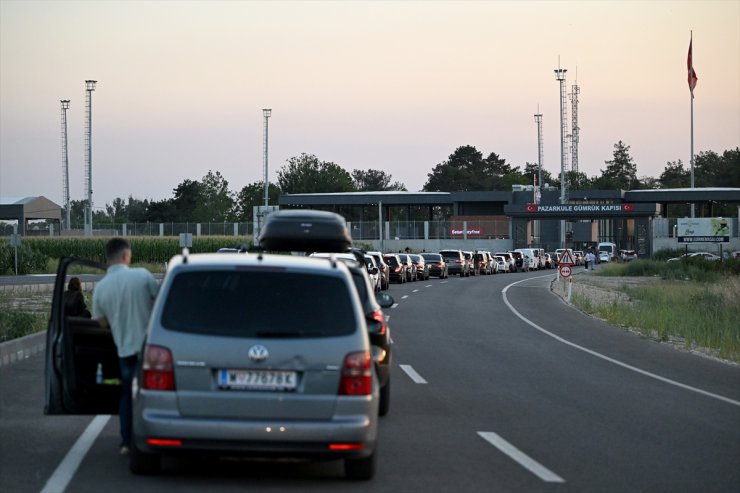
(75, 346)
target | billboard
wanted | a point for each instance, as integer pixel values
(703, 230)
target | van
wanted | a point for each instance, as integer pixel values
(610, 248)
(532, 255)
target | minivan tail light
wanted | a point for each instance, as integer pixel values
(378, 316)
(357, 374)
(157, 369)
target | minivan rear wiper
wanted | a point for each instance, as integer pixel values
(286, 333)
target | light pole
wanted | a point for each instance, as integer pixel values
(65, 164)
(89, 88)
(266, 113)
(560, 76)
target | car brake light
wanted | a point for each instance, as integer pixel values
(378, 316)
(157, 369)
(346, 446)
(164, 442)
(458, 261)
(357, 374)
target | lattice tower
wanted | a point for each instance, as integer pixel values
(575, 129)
(65, 164)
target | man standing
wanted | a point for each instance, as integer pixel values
(123, 301)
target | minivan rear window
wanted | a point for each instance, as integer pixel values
(259, 304)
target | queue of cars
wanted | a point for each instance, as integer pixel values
(239, 359)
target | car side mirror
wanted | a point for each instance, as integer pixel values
(373, 270)
(385, 300)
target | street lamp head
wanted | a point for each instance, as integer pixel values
(65, 104)
(560, 73)
(267, 112)
(90, 85)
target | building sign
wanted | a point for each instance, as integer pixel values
(579, 208)
(455, 231)
(703, 230)
(585, 211)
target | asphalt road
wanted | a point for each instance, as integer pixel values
(497, 386)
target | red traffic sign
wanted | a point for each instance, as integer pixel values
(566, 259)
(565, 270)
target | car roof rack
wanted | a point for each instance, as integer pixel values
(305, 230)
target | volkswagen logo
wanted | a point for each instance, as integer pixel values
(258, 353)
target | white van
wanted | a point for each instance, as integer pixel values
(531, 254)
(608, 247)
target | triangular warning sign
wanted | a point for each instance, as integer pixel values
(566, 258)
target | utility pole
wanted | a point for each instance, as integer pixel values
(89, 88)
(560, 76)
(65, 165)
(266, 113)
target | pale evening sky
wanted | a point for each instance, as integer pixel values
(395, 86)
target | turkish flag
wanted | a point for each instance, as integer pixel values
(692, 74)
(628, 207)
(531, 207)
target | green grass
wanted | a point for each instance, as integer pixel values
(22, 314)
(694, 301)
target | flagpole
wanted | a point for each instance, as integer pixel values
(691, 42)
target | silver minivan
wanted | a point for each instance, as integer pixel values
(247, 354)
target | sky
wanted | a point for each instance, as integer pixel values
(394, 86)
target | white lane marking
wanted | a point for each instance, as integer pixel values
(415, 291)
(428, 286)
(523, 459)
(443, 282)
(404, 296)
(412, 374)
(612, 360)
(58, 481)
(394, 305)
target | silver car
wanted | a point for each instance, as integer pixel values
(246, 354)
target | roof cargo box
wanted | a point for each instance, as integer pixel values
(305, 231)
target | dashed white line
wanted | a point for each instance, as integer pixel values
(523, 459)
(404, 296)
(428, 286)
(413, 375)
(58, 481)
(415, 291)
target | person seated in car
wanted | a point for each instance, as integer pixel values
(74, 300)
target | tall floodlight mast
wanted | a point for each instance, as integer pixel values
(65, 164)
(560, 76)
(89, 88)
(266, 113)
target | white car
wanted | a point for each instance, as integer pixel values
(500, 264)
(704, 255)
(604, 256)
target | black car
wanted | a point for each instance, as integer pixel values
(437, 265)
(397, 270)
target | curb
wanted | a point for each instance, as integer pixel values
(22, 348)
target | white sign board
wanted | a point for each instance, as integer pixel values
(703, 230)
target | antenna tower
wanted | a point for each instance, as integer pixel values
(65, 164)
(538, 120)
(266, 113)
(574, 127)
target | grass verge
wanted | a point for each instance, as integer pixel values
(687, 305)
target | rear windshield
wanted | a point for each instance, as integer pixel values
(259, 304)
(391, 261)
(432, 257)
(454, 255)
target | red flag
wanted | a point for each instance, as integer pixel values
(692, 75)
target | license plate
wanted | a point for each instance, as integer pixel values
(275, 380)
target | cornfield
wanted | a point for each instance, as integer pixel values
(154, 250)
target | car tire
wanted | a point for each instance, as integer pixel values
(385, 399)
(142, 463)
(360, 469)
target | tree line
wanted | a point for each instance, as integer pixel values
(211, 200)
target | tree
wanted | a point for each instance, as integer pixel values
(675, 176)
(187, 196)
(306, 174)
(374, 180)
(713, 170)
(620, 172)
(216, 201)
(250, 196)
